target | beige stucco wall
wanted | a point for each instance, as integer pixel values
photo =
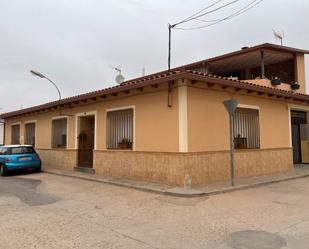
(208, 128)
(154, 121)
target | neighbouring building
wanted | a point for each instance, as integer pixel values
(164, 126)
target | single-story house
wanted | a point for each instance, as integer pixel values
(164, 126)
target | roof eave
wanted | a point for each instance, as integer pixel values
(172, 76)
(97, 94)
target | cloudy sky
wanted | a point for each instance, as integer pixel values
(74, 42)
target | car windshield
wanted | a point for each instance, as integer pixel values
(3, 151)
(16, 150)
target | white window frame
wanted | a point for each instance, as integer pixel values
(16, 123)
(20, 136)
(35, 131)
(77, 126)
(55, 118)
(119, 109)
(254, 107)
(292, 107)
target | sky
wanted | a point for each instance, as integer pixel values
(76, 42)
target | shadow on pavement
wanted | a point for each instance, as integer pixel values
(26, 190)
(251, 239)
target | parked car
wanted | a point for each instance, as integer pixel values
(18, 157)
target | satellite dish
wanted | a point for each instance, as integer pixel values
(119, 78)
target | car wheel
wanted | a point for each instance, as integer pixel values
(38, 170)
(2, 170)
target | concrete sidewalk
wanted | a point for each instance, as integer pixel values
(300, 171)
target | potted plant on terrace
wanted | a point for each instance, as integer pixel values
(125, 144)
(276, 81)
(295, 86)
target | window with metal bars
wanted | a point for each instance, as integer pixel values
(30, 134)
(246, 129)
(59, 133)
(15, 134)
(119, 129)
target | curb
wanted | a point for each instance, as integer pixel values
(254, 185)
(119, 184)
(169, 191)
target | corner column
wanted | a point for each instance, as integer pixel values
(183, 115)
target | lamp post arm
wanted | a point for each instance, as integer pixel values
(54, 86)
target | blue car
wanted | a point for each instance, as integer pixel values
(18, 157)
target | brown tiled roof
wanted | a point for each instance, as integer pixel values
(160, 78)
(95, 94)
(166, 75)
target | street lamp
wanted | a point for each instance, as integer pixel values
(231, 106)
(44, 77)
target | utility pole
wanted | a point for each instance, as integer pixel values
(169, 44)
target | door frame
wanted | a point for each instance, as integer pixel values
(77, 131)
(77, 126)
(298, 108)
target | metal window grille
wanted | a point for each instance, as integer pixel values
(30, 134)
(59, 133)
(246, 129)
(119, 127)
(15, 134)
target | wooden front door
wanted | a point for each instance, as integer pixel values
(297, 118)
(86, 142)
(296, 144)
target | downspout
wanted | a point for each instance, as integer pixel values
(169, 92)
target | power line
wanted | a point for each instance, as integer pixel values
(206, 13)
(237, 13)
(234, 14)
(209, 6)
(193, 17)
(201, 13)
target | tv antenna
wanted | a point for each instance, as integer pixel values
(279, 36)
(119, 78)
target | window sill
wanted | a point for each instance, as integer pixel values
(119, 149)
(247, 149)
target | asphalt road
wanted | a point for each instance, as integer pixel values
(48, 211)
